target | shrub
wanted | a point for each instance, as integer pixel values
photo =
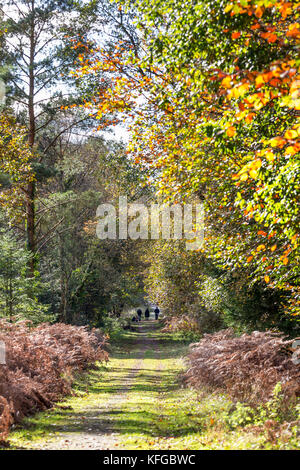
(19, 295)
(40, 363)
(247, 367)
(185, 326)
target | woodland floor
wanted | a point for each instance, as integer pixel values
(137, 401)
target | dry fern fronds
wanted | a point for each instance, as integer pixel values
(39, 364)
(246, 367)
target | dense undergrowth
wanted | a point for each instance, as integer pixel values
(246, 367)
(40, 366)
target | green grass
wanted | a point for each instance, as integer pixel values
(155, 411)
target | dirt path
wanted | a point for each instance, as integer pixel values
(97, 431)
(92, 424)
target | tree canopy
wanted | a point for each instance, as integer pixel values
(213, 98)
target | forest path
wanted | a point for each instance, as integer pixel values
(117, 406)
(136, 401)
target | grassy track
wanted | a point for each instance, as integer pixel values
(137, 402)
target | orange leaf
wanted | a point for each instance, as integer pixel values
(294, 30)
(267, 279)
(235, 35)
(271, 37)
(249, 118)
(226, 82)
(259, 12)
(231, 131)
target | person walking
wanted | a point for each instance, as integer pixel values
(156, 311)
(139, 312)
(147, 314)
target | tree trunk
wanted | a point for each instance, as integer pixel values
(64, 284)
(30, 202)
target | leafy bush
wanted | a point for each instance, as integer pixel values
(185, 326)
(188, 284)
(18, 293)
(277, 419)
(244, 307)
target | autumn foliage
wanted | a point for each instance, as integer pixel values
(246, 367)
(15, 166)
(217, 116)
(40, 366)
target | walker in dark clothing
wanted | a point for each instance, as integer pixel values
(156, 311)
(139, 312)
(147, 314)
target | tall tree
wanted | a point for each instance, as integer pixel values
(38, 56)
(215, 104)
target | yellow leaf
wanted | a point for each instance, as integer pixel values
(296, 104)
(256, 164)
(228, 8)
(259, 80)
(253, 174)
(241, 115)
(277, 142)
(291, 134)
(226, 82)
(270, 156)
(260, 248)
(291, 150)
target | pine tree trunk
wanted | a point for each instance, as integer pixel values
(64, 284)
(30, 202)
